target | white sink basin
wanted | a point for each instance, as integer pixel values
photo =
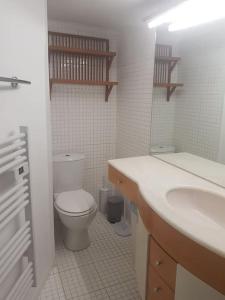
(198, 206)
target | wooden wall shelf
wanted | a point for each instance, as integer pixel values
(85, 82)
(108, 84)
(81, 51)
(167, 58)
(164, 65)
(166, 85)
(75, 59)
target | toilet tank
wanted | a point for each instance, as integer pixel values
(68, 172)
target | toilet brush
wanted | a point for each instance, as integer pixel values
(122, 228)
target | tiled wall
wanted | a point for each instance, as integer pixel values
(163, 112)
(83, 122)
(163, 118)
(136, 56)
(81, 119)
(192, 119)
(200, 103)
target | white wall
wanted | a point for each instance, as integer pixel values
(192, 119)
(163, 118)
(135, 69)
(136, 66)
(199, 105)
(23, 52)
(81, 119)
(163, 112)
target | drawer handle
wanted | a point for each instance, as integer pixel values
(119, 181)
(157, 290)
(158, 263)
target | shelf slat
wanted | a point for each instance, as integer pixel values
(86, 82)
(82, 51)
(168, 85)
(167, 58)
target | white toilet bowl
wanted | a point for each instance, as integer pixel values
(76, 210)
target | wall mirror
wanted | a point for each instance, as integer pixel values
(188, 114)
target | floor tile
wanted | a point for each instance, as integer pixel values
(124, 291)
(53, 289)
(98, 295)
(80, 281)
(83, 257)
(103, 271)
(100, 229)
(114, 271)
(104, 249)
(65, 259)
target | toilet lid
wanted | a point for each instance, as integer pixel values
(77, 202)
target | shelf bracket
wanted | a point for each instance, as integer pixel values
(172, 66)
(170, 91)
(108, 90)
(110, 60)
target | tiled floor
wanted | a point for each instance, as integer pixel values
(104, 271)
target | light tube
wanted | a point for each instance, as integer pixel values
(190, 13)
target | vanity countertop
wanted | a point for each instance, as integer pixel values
(155, 178)
(202, 167)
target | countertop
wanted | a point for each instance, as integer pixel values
(154, 179)
(202, 167)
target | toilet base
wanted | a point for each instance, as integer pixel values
(76, 240)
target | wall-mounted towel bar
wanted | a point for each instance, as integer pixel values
(14, 81)
(16, 252)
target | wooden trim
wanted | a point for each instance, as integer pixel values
(123, 184)
(81, 51)
(203, 263)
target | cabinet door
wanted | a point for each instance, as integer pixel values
(189, 287)
(163, 264)
(157, 288)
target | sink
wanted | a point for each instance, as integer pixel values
(203, 207)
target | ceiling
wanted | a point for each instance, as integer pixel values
(105, 13)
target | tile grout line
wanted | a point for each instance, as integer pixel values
(90, 263)
(112, 241)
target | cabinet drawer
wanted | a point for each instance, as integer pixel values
(163, 264)
(157, 289)
(123, 184)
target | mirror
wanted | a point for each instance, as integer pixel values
(188, 112)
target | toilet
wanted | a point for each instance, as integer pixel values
(76, 207)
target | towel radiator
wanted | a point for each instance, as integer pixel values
(15, 202)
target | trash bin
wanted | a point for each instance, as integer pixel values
(114, 209)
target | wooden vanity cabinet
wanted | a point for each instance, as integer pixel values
(161, 273)
(169, 250)
(157, 289)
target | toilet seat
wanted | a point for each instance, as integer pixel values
(75, 203)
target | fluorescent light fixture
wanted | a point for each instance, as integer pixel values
(190, 13)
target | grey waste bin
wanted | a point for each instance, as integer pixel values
(114, 209)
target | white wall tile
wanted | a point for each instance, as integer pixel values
(192, 119)
(81, 119)
(136, 59)
(199, 105)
